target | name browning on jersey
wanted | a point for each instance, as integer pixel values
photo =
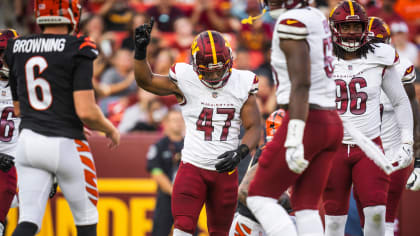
(39, 45)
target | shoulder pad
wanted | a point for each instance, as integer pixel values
(291, 26)
(384, 54)
(86, 47)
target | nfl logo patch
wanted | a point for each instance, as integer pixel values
(350, 67)
(3, 93)
(214, 94)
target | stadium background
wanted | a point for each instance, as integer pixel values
(127, 193)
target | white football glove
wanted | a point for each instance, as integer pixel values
(294, 148)
(404, 156)
(413, 182)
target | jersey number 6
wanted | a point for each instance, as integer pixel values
(44, 100)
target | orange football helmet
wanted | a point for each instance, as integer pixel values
(50, 12)
(273, 122)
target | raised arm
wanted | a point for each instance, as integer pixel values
(145, 78)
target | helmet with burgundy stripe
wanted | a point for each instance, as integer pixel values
(378, 30)
(212, 58)
(346, 13)
(5, 35)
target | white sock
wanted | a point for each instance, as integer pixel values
(309, 223)
(273, 218)
(374, 220)
(335, 225)
(389, 228)
(178, 232)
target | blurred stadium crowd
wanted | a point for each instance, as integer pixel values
(110, 24)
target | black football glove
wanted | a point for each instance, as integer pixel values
(53, 189)
(6, 162)
(230, 159)
(142, 39)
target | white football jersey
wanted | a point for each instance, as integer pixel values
(358, 89)
(9, 124)
(212, 116)
(390, 132)
(310, 24)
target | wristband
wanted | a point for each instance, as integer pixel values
(295, 130)
(417, 162)
(243, 150)
(407, 137)
(140, 54)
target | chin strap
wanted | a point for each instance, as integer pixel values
(250, 19)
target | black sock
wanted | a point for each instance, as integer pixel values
(25, 229)
(86, 230)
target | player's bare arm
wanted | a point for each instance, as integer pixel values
(90, 114)
(251, 120)
(243, 187)
(298, 66)
(145, 78)
(16, 108)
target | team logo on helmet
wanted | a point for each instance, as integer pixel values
(273, 122)
(50, 12)
(212, 58)
(378, 29)
(348, 11)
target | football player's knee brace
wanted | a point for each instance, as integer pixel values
(335, 225)
(185, 224)
(374, 220)
(1, 228)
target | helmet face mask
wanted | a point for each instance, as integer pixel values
(212, 59)
(65, 12)
(348, 23)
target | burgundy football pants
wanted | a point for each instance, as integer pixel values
(194, 187)
(322, 137)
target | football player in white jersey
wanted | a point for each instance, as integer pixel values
(215, 100)
(390, 132)
(301, 152)
(8, 134)
(361, 70)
